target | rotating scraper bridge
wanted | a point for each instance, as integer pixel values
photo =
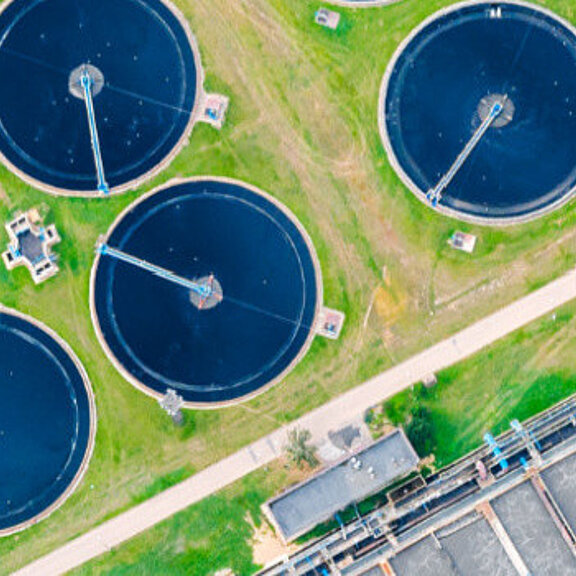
(435, 195)
(207, 289)
(87, 85)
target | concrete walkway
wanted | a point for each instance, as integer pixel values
(330, 416)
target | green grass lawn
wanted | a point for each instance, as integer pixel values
(212, 535)
(302, 126)
(517, 377)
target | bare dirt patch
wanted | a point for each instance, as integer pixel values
(266, 544)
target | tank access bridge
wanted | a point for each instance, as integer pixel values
(207, 290)
(435, 194)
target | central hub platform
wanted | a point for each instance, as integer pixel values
(209, 296)
(487, 104)
(75, 81)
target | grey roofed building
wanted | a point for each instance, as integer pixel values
(31, 245)
(318, 499)
(522, 521)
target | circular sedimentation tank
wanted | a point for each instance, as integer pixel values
(513, 60)
(144, 77)
(47, 421)
(208, 287)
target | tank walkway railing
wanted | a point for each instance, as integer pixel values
(203, 289)
(86, 81)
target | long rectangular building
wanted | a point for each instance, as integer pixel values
(301, 508)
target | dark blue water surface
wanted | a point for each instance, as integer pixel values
(433, 95)
(44, 420)
(268, 279)
(143, 110)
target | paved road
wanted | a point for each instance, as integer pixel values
(330, 416)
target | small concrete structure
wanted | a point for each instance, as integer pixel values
(301, 508)
(327, 18)
(213, 109)
(462, 241)
(330, 323)
(172, 404)
(31, 245)
(430, 380)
